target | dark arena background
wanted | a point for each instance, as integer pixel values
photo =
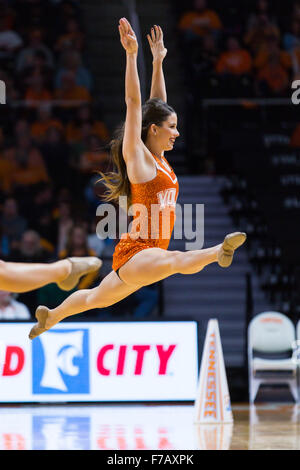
(126, 377)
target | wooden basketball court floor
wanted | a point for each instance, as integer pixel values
(146, 427)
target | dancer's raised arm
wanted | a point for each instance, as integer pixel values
(159, 52)
(133, 123)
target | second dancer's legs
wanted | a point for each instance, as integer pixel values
(23, 277)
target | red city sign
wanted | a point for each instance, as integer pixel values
(141, 350)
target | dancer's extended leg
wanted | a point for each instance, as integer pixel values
(110, 291)
(152, 265)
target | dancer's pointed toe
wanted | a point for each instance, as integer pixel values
(41, 315)
(231, 242)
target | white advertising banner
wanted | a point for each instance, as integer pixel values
(82, 362)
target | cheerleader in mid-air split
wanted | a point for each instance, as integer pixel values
(145, 176)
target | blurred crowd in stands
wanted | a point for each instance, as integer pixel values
(53, 141)
(241, 49)
(53, 135)
(247, 50)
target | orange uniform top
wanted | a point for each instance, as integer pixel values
(153, 208)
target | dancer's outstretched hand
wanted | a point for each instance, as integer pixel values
(156, 43)
(127, 36)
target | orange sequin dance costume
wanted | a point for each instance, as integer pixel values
(158, 195)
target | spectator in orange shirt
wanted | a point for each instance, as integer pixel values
(273, 79)
(258, 35)
(71, 92)
(261, 24)
(235, 60)
(74, 129)
(234, 69)
(37, 93)
(28, 165)
(201, 20)
(44, 120)
(269, 50)
(94, 158)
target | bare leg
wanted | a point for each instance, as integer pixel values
(110, 291)
(192, 262)
(154, 264)
(23, 277)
